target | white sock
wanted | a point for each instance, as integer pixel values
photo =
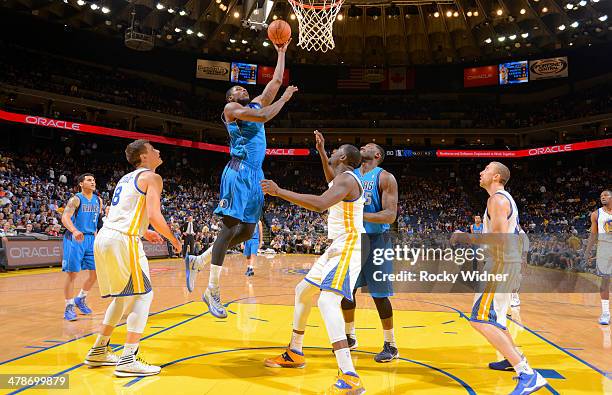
(389, 337)
(345, 363)
(203, 258)
(250, 267)
(297, 341)
(523, 367)
(129, 349)
(349, 328)
(101, 340)
(215, 273)
(605, 306)
(70, 301)
(82, 293)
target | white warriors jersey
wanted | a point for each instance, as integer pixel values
(604, 229)
(127, 212)
(512, 245)
(346, 217)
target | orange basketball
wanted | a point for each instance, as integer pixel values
(279, 32)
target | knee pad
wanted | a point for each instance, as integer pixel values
(347, 304)
(139, 314)
(383, 305)
(329, 304)
(115, 310)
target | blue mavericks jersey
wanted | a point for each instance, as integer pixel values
(85, 219)
(247, 139)
(373, 202)
(477, 229)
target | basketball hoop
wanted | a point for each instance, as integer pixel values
(316, 22)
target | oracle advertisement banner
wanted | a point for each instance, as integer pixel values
(265, 74)
(212, 70)
(127, 134)
(155, 250)
(552, 149)
(543, 69)
(480, 76)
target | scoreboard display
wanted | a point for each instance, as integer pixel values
(513, 72)
(243, 73)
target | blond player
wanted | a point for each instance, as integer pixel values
(502, 242)
(123, 269)
(335, 273)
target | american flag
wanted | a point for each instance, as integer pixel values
(354, 81)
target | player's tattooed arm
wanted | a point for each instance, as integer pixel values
(71, 207)
(388, 214)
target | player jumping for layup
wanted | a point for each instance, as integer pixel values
(123, 269)
(500, 235)
(380, 191)
(601, 230)
(241, 199)
(81, 221)
(335, 272)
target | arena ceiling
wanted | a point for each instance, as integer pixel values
(369, 32)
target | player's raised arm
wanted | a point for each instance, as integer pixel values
(235, 110)
(153, 184)
(320, 145)
(271, 89)
(333, 195)
(71, 207)
(388, 214)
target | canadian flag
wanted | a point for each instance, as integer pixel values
(397, 78)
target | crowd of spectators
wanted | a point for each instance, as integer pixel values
(110, 85)
(554, 195)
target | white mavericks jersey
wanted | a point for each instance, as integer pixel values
(604, 232)
(512, 246)
(346, 217)
(127, 212)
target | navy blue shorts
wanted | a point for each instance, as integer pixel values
(78, 255)
(241, 196)
(378, 289)
(250, 247)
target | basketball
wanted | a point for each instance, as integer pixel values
(279, 32)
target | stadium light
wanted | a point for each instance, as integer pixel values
(182, 12)
(177, 29)
(244, 42)
(200, 34)
(582, 3)
(501, 39)
(525, 35)
(171, 10)
(561, 27)
(266, 44)
(512, 37)
(274, 17)
(523, 11)
(603, 18)
(233, 40)
(94, 6)
(469, 13)
(569, 6)
(189, 31)
(105, 10)
(449, 13)
(436, 14)
(475, 13)
(488, 40)
(500, 12)
(160, 6)
(340, 17)
(455, 14)
(545, 9)
(575, 24)
(80, 3)
(292, 17)
(236, 15)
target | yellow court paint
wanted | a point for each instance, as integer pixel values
(441, 354)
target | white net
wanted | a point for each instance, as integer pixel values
(316, 22)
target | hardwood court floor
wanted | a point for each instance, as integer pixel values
(440, 353)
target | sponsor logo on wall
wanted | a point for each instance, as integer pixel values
(542, 69)
(212, 70)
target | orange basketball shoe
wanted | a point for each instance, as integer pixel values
(346, 384)
(288, 359)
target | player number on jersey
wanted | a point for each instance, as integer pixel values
(116, 196)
